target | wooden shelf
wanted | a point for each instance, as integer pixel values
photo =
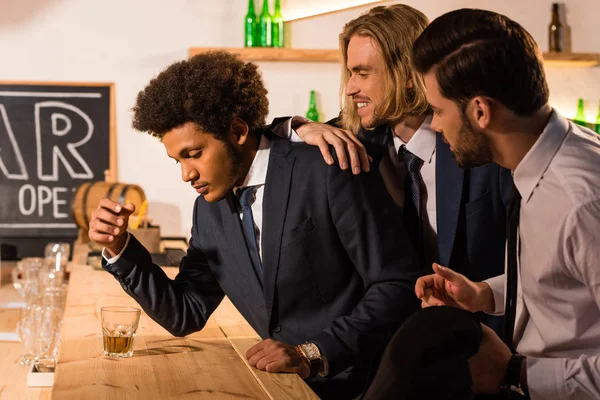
(275, 54)
(572, 60)
(560, 60)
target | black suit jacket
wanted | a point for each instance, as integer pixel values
(471, 212)
(338, 269)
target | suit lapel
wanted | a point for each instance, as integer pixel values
(235, 241)
(449, 186)
(275, 201)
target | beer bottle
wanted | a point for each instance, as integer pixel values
(265, 22)
(555, 32)
(597, 127)
(313, 113)
(278, 28)
(251, 27)
(580, 115)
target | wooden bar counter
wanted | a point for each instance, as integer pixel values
(209, 364)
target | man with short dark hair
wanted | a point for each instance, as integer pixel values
(485, 82)
(313, 257)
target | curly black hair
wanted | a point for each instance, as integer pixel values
(209, 89)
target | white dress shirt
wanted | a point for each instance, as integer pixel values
(558, 296)
(422, 145)
(257, 176)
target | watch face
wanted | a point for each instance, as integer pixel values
(311, 350)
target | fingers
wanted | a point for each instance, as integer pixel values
(339, 143)
(424, 283)
(324, 148)
(362, 162)
(109, 221)
(255, 349)
(447, 273)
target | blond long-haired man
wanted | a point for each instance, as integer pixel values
(454, 216)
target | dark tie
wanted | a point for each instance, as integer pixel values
(246, 197)
(512, 273)
(412, 198)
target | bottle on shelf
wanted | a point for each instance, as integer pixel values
(278, 28)
(266, 28)
(555, 32)
(597, 127)
(251, 27)
(580, 115)
(313, 113)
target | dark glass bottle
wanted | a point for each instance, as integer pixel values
(555, 32)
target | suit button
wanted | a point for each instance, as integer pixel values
(277, 329)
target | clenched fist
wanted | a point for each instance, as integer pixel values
(108, 225)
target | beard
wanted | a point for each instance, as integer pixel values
(472, 149)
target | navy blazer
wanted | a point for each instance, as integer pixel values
(338, 269)
(471, 211)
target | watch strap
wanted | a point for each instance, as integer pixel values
(512, 381)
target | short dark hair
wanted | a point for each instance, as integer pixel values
(482, 53)
(209, 89)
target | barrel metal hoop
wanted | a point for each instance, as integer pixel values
(86, 219)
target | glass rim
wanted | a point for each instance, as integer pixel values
(122, 309)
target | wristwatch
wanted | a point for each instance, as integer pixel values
(512, 387)
(312, 355)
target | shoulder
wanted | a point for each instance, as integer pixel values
(576, 165)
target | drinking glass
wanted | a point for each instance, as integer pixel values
(119, 326)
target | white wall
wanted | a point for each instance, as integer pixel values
(129, 41)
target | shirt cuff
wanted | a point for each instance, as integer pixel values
(546, 378)
(294, 123)
(498, 285)
(115, 258)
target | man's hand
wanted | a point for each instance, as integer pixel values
(273, 356)
(108, 225)
(345, 143)
(449, 288)
(488, 367)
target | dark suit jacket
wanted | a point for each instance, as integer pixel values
(471, 212)
(338, 269)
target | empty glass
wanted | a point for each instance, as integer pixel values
(59, 254)
(26, 277)
(119, 326)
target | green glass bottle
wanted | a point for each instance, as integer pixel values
(251, 27)
(597, 127)
(266, 27)
(580, 116)
(313, 113)
(278, 28)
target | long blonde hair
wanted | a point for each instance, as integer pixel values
(394, 29)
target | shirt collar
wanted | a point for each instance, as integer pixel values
(423, 142)
(532, 167)
(257, 174)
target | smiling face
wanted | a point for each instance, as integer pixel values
(210, 165)
(366, 86)
(471, 148)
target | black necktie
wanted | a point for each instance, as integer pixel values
(512, 272)
(246, 197)
(412, 198)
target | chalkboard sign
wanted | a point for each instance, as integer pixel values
(53, 137)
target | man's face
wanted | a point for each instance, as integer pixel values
(366, 85)
(210, 165)
(471, 148)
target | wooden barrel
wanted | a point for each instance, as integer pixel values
(87, 198)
